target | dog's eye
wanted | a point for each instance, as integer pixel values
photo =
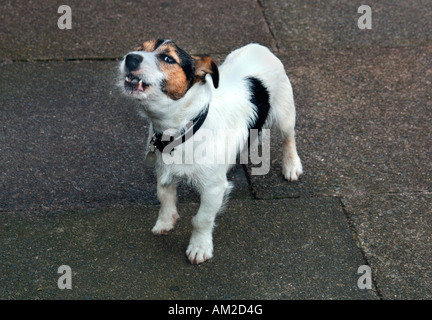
(168, 59)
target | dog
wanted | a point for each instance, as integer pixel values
(191, 94)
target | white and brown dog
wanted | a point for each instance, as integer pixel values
(175, 90)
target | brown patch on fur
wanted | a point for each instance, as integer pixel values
(176, 83)
(203, 66)
(151, 45)
(147, 46)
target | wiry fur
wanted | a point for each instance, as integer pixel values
(230, 110)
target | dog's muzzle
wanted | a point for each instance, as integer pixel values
(134, 84)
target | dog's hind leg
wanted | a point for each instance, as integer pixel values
(200, 246)
(285, 116)
(168, 216)
(291, 164)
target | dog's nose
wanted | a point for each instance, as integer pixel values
(133, 61)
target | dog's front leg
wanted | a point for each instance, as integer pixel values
(200, 246)
(168, 216)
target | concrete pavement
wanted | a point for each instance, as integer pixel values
(264, 250)
(74, 189)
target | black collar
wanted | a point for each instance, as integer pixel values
(185, 133)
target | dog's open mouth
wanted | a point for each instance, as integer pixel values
(133, 84)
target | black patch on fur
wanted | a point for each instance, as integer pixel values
(158, 43)
(260, 97)
(187, 63)
(163, 85)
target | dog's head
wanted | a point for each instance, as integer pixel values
(160, 67)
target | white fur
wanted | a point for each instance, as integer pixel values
(230, 111)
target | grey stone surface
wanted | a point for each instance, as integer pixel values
(287, 249)
(363, 123)
(333, 24)
(395, 232)
(106, 29)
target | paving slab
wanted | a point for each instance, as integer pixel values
(395, 233)
(70, 140)
(333, 24)
(364, 132)
(286, 249)
(106, 29)
(363, 123)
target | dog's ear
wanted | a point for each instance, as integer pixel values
(206, 65)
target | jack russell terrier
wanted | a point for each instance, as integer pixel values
(188, 94)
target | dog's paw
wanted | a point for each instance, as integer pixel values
(198, 253)
(165, 225)
(292, 170)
